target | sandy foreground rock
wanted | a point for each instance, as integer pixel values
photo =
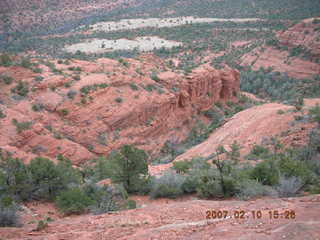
(188, 220)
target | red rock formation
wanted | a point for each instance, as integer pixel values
(305, 34)
(147, 116)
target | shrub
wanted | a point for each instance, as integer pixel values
(132, 204)
(168, 185)
(150, 87)
(73, 201)
(5, 60)
(64, 112)
(15, 177)
(8, 213)
(67, 174)
(89, 88)
(102, 138)
(21, 126)
(119, 100)
(104, 198)
(22, 89)
(154, 77)
(182, 166)
(134, 87)
(71, 94)
(77, 77)
(266, 172)
(45, 178)
(37, 70)
(38, 78)
(123, 62)
(6, 79)
(99, 170)
(314, 112)
(257, 152)
(288, 187)
(209, 187)
(294, 168)
(129, 164)
(2, 115)
(213, 114)
(37, 107)
(224, 168)
(67, 84)
(190, 184)
(26, 63)
(249, 188)
(41, 225)
(234, 154)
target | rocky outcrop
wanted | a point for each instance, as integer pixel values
(207, 85)
(129, 108)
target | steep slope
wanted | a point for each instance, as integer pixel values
(255, 125)
(113, 103)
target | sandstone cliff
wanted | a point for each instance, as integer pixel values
(120, 107)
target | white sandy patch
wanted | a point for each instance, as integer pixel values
(148, 43)
(127, 24)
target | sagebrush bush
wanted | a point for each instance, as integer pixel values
(190, 184)
(289, 187)
(103, 197)
(9, 217)
(8, 213)
(249, 188)
(210, 188)
(209, 184)
(168, 185)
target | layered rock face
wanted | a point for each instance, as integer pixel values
(132, 109)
